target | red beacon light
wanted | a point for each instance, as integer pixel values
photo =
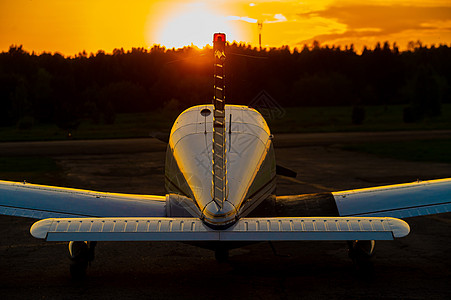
(219, 37)
(219, 42)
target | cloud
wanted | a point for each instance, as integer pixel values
(245, 19)
(277, 18)
(374, 21)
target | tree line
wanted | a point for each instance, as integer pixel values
(51, 88)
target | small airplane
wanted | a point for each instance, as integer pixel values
(220, 166)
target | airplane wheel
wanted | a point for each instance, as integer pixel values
(361, 253)
(222, 255)
(81, 255)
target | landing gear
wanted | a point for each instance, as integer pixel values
(361, 253)
(81, 255)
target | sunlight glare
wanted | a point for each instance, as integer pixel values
(193, 25)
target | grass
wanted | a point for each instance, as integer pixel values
(334, 119)
(125, 126)
(295, 119)
(427, 150)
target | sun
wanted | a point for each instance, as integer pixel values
(192, 24)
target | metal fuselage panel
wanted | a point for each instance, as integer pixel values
(250, 162)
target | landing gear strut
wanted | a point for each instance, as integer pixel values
(81, 255)
(361, 253)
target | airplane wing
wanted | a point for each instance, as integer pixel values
(363, 214)
(193, 229)
(396, 201)
(41, 201)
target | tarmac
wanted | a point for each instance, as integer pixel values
(414, 267)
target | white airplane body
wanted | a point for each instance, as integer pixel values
(216, 174)
(250, 162)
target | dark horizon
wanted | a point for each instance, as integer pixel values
(50, 88)
(411, 46)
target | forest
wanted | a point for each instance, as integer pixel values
(51, 88)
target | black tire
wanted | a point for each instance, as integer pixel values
(81, 255)
(361, 253)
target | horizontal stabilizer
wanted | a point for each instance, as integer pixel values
(193, 229)
(280, 170)
(162, 137)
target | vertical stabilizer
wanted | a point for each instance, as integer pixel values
(219, 134)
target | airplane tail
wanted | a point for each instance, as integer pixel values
(219, 135)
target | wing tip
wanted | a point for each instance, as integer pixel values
(40, 229)
(399, 227)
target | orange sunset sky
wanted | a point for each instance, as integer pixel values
(71, 26)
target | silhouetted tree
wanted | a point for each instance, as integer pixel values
(53, 88)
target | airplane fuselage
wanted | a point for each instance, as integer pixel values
(250, 162)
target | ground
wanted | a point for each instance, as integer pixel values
(414, 267)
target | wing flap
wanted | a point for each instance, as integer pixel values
(193, 229)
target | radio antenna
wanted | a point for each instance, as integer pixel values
(260, 27)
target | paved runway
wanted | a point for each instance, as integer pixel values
(415, 267)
